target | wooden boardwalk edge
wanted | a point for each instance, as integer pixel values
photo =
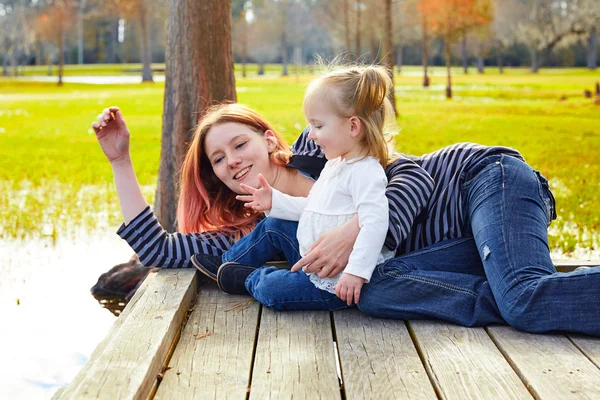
(251, 348)
(126, 364)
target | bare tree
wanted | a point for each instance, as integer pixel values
(388, 50)
(592, 42)
(199, 72)
(549, 25)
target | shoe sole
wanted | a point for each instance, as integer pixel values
(201, 269)
(219, 283)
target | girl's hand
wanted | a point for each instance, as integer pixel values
(260, 199)
(112, 134)
(348, 288)
(329, 255)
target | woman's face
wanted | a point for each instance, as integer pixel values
(238, 154)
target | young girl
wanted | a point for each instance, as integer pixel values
(348, 110)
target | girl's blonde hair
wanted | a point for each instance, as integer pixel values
(206, 203)
(360, 91)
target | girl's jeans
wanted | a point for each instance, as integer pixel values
(280, 289)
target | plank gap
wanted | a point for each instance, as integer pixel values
(583, 351)
(513, 365)
(257, 331)
(171, 350)
(426, 365)
(338, 360)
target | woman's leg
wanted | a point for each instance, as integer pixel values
(509, 208)
(270, 237)
(284, 290)
(444, 281)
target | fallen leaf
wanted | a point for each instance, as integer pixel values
(203, 335)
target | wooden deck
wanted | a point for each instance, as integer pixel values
(176, 342)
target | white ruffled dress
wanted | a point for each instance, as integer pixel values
(344, 189)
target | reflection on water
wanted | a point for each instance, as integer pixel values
(50, 322)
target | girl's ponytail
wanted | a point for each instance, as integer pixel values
(372, 89)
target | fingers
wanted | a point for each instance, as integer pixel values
(304, 261)
(245, 198)
(248, 189)
(263, 182)
(356, 294)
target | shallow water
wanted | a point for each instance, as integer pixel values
(50, 322)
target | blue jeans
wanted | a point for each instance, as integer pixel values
(502, 274)
(280, 289)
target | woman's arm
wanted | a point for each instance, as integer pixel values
(113, 136)
(142, 231)
(157, 248)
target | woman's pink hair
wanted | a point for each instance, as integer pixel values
(206, 203)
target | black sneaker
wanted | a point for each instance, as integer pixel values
(231, 277)
(207, 264)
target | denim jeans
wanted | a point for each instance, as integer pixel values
(502, 274)
(280, 289)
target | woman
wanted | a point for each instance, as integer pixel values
(468, 224)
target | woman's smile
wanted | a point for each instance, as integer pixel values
(241, 174)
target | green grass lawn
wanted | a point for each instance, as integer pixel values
(55, 181)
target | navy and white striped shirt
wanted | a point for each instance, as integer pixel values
(423, 192)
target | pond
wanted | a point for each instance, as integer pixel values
(51, 323)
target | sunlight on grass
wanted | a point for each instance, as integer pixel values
(54, 178)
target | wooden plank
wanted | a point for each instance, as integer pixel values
(588, 345)
(127, 362)
(464, 363)
(214, 355)
(550, 365)
(294, 357)
(378, 359)
(570, 265)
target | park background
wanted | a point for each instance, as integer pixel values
(523, 74)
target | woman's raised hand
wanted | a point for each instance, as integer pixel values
(260, 199)
(112, 134)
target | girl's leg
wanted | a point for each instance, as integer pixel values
(444, 281)
(270, 237)
(510, 207)
(284, 290)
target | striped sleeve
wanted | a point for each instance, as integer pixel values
(303, 146)
(408, 191)
(157, 248)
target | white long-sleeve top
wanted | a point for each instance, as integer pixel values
(344, 189)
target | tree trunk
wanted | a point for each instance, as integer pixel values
(448, 73)
(425, 51)
(463, 53)
(480, 63)
(61, 53)
(5, 65)
(261, 68)
(199, 72)
(592, 59)
(284, 47)
(388, 52)
(357, 29)
(145, 41)
(500, 60)
(535, 63)
(113, 48)
(399, 58)
(49, 63)
(244, 42)
(347, 26)
(80, 31)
